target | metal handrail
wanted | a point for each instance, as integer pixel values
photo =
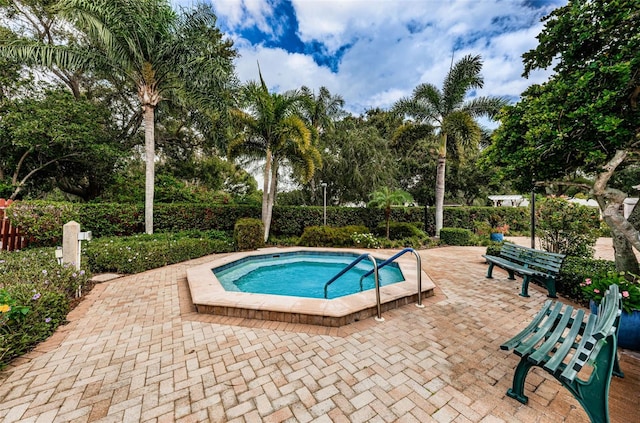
(345, 270)
(379, 317)
(391, 259)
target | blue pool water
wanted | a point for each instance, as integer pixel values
(302, 274)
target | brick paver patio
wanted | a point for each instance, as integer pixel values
(136, 351)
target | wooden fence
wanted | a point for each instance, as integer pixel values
(10, 237)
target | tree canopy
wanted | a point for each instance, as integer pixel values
(585, 120)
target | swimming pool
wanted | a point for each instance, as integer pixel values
(209, 296)
(303, 274)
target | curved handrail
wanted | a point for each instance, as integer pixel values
(343, 271)
(391, 259)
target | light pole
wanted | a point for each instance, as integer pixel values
(324, 203)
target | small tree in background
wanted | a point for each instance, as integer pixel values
(385, 199)
(567, 228)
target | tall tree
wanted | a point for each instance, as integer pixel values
(453, 117)
(55, 135)
(321, 112)
(323, 109)
(146, 44)
(356, 160)
(270, 129)
(585, 119)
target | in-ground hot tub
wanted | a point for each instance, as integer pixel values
(210, 296)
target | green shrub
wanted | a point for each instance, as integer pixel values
(317, 236)
(567, 228)
(494, 248)
(248, 234)
(365, 240)
(412, 242)
(143, 252)
(455, 236)
(35, 293)
(398, 230)
(575, 270)
(326, 236)
(41, 221)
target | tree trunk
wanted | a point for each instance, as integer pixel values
(387, 216)
(265, 193)
(440, 173)
(610, 200)
(271, 199)
(624, 255)
(150, 155)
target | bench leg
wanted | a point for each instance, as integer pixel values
(490, 271)
(525, 286)
(551, 287)
(517, 391)
(593, 395)
(512, 275)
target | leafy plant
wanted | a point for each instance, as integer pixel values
(41, 221)
(455, 236)
(248, 234)
(143, 252)
(594, 288)
(386, 199)
(35, 293)
(399, 230)
(326, 236)
(567, 228)
(366, 240)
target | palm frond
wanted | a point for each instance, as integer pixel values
(485, 106)
(463, 76)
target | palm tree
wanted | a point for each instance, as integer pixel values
(271, 129)
(143, 42)
(323, 109)
(321, 112)
(384, 198)
(451, 115)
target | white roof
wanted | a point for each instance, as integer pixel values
(505, 197)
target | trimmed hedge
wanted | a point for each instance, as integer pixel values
(518, 218)
(248, 234)
(112, 219)
(398, 230)
(455, 236)
(138, 253)
(326, 236)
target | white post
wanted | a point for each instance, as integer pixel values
(70, 244)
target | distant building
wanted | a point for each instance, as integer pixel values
(507, 200)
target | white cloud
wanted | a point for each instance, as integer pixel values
(388, 47)
(283, 70)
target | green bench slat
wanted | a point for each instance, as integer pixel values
(526, 346)
(541, 354)
(553, 364)
(530, 328)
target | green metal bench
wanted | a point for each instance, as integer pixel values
(530, 264)
(562, 341)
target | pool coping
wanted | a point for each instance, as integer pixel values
(210, 297)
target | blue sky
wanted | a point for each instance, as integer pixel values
(373, 52)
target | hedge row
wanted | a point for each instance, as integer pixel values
(110, 219)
